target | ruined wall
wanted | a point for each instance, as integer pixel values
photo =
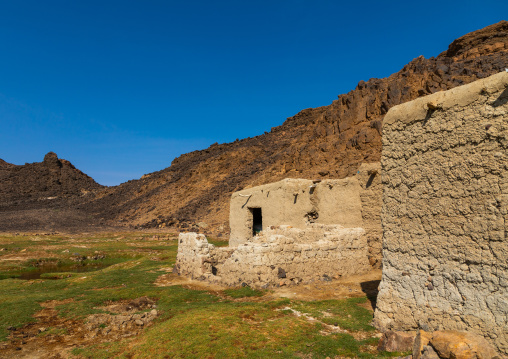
(445, 197)
(294, 202)
(279, 256)
(193, 256)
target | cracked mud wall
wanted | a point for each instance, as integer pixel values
(444, 216)
(369, 178)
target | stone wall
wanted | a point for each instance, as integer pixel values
(193, 256)
(444, 216)
(278, 256)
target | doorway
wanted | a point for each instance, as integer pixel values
(257, 220)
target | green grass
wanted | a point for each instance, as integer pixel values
(218, 242)
(243, 292)
(346, 314)
(192, 323)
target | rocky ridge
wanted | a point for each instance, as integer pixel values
(330, 141)
(326, 142)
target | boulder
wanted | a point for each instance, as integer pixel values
(396, 341)
(422, 339)
(462, 345)
(452, 345)
(429, 353)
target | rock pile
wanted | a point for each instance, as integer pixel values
(438, 345)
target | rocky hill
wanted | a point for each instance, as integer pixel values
(53, 177)
(325, 142)
(39, 195)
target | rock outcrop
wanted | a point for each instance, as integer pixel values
(53, 177)
(41, 195)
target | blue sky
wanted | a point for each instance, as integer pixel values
(121, 88)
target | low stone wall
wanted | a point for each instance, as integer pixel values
(279, 256)
(445, 213)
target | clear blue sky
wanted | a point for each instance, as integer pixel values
(121, 88)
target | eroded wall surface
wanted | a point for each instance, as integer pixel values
(444, 216)
(280, 255)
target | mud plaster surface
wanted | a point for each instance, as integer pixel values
(445, 212)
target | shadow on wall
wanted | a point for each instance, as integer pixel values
(502, 99)
(370, 289)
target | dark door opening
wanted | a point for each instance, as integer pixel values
(257, 220)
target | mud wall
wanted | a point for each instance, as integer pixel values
(295, 202)
(445, 199)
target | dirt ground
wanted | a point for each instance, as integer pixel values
(353, 286)
(36, 341)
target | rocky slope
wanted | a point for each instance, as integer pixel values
(330, 141)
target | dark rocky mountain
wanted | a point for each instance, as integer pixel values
(326, 142)
(40, 195)
(53, 177)
(5, 167)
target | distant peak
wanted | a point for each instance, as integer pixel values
(51, 159)
(50, 156)
(4, 164)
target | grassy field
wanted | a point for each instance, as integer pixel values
(191, 322)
